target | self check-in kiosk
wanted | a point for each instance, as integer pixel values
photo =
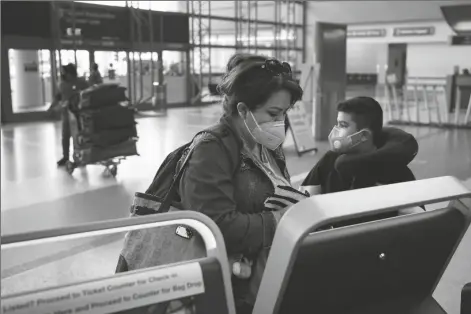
(200, 286)
(384, 266)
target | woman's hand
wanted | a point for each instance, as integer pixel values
(284, 197)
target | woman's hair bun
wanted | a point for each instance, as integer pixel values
(240, 58)
(236, 68)
(247, 81)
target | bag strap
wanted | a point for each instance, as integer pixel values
(165, 207)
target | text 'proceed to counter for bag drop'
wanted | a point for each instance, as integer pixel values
(113, 294)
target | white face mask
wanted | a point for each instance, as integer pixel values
(269, 134)
(343, 144)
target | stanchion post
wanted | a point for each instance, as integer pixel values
(417, 110)
(424, 90)
(457, 106)
(396, 103)
(468, 112)
(437, 104)
(406, 102)
(447, 106)
(388, 100)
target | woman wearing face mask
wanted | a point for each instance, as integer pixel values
(234, 179)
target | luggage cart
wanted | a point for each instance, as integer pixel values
(121, 150)
(111, 166)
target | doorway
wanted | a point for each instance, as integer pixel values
(79, 57)
(397, 63)
(30, 80)
(175, 76)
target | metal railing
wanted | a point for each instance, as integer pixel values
(423, 101)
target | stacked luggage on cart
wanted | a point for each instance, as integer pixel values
(103, 129)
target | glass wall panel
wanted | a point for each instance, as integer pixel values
(113, 66)
(141, 75)
(174, 66)
(165, 6)
(266, 36)
(266, 11)
(223, 8)
(83, 60)
(299, 13)
(195, 38)
(202, 59)
(299, 37)
(219, 58)
(222, 32)
(200, 7)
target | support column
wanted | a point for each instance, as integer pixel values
(26, 85)
(160, 67)
(6, 109)
(326, 46)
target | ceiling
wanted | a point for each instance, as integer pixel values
(364, 12)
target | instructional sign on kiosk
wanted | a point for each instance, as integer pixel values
(111, 295)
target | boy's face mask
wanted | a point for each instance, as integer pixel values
(269, 134)
(346, 143)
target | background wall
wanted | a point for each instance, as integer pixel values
(350, 12)
(436, 60)
(367, 58)
(427, 56)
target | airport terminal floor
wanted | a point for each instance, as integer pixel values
(37, 195)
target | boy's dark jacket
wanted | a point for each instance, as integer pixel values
(396, 149)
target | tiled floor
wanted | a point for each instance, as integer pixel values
(36, 195)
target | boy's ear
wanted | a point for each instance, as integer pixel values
(366, 135)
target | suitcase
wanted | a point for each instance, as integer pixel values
(107, 118)
(102, 95)
(94, 154)
(106, 137)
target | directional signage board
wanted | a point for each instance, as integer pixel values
(414, 31)
(95, 25)
(362, 33)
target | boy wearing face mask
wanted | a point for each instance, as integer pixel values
(359, 157)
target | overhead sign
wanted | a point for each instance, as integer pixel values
(96, 25)
(176, 28)
(461, 40)
(116, 294)
(84, 24)
(361, 33)
(26, 18)
(414, 31)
